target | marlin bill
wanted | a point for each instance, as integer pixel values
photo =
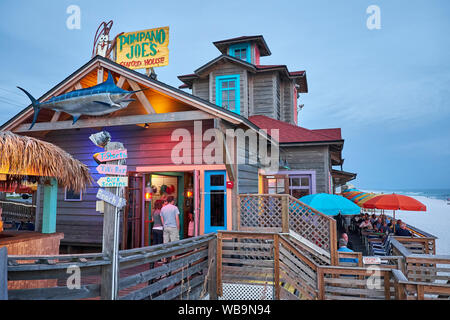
(98, 100)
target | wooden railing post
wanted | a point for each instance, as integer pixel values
(212, 267)
(276, 259)
(333, 243)
(320, 284)
(3, 273)
(387, 285)
(219, 265)
(285, 214)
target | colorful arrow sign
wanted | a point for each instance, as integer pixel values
(111, 155)
(111, 198)
(112, 182)
(112, 169)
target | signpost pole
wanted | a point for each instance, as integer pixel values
(111, 231)
(111, 219)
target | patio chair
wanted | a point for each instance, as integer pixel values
(381, 248)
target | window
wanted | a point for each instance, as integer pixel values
(70, 195)
(228, 92)
(241, 51)
(300, 185)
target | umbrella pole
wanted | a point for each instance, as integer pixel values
(394, 222)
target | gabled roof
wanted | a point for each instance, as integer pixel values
(289, 133)
(264, 50)
(143, 79)
(299, 76)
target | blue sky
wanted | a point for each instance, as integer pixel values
(388, 89)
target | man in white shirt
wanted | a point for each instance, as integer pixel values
(170, 220)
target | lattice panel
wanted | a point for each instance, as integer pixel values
(260, 211)
(237, 291)
(309, 224)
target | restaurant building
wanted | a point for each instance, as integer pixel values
(230, 93)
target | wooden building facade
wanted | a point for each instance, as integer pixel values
(231, 92)
(268, 96)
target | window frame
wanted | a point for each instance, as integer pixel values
(72, 200)
(237, 101)
(247, 46)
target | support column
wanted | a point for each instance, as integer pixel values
(49, 209)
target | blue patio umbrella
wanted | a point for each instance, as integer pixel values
(331, 204)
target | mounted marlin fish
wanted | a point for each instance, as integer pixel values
(98, 100)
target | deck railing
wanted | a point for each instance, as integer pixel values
(232, 265)
(178, 270)
(17, 211)
(284, 213)
(55, 277)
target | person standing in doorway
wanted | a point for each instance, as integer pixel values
(157, 223)
(190, 225)
(170, 220)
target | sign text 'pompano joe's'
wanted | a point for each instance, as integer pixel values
(143, 49)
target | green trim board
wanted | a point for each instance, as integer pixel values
(50, 206)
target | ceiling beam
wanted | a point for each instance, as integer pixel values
(116, 121)
(141, 97)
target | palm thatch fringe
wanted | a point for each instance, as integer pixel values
(26, 156)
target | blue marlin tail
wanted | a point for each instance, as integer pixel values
(35, 104)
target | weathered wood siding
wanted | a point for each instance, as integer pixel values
(247, 172)
(277, 96)
(287, 105)
(79, 221)
(264, 95)
(200, 88)
(310, 158)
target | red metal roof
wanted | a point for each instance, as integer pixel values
(334, 133)
(292, 133)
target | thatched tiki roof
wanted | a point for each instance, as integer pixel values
(22, 156)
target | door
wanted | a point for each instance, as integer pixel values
(215, 201)
(133, 215)
(276, 184)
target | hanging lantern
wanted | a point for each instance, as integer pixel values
(148, 192)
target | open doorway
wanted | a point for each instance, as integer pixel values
(160, 185)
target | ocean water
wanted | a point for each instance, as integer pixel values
(441, 194)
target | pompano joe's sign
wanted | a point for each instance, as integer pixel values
(143, 49)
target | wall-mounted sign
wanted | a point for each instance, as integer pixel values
(112, 182)
(112, 169)
(143, 49)
(111, 198)
(111, 155)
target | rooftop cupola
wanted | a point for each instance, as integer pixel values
(246, 48)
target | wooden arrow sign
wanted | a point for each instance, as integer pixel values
(111, 155)
(112, 169)
(111, 182)
(111, 198)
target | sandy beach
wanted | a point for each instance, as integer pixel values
(436, 220)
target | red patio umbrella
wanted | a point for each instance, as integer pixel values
(395, 202)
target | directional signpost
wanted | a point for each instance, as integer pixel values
(113, 182)
(112, 169)
(111, 198)
(111, 155)
(111, 201)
